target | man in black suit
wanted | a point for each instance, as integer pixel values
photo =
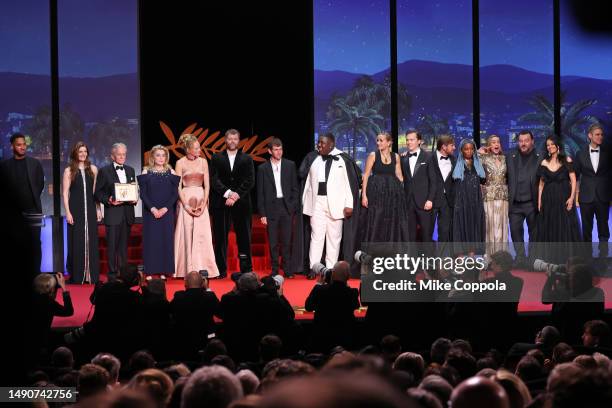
(593, 169)
(419, 187)
(118, 215)
(523, 192)
(192, 311)
(26, 179)
(233, 177)
(441, 169)
(334, 306)
(277, 202)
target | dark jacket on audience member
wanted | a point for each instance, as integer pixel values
(193, 313)
(43, 310)
(248, 316)
(334, 305)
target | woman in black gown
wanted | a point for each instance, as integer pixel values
(82, 216)
(386, 217)
(159, 193)
(557, 219)
(468, 212)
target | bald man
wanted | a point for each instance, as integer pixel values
(193, 310)
(479, 392)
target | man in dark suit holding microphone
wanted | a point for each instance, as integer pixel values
(593, 170)
(118, 215)
(277, 201)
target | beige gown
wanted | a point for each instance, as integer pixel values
(193, 244)
(495, 196)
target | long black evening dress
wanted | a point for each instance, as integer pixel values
(83, 257)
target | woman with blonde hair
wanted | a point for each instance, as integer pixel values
(82, 216)
(193, 246)
(495, 195)
(159, 192)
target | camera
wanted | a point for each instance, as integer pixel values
(551, 269)
(363, 258)
(204, 274)
(319, 269)
(74, 336)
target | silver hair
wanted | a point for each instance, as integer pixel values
(117, 146)
(212, 386)
(248, 282)
(110, 363)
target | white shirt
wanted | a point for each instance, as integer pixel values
(232, 159)
(120, 172)
(445, 165)
(412, 160)
(595, 157)
(276, 171)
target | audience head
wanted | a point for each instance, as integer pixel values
(517, 391)
(580, 279)
(120, 398)
(155, 383)
(270, 347)
(439, 349)
(157, 288)
(596, 334)
(528, 369)
(391, 347)
(412, 363)
(177, 371)
(211, 387)
(586, 388)
(548, 336)
(193, 280)
(249, 381)
(224, 361)
(341, 272)
(93, 379)
(438, 386)
(110, 363)
(561, 375)
(346, 391)
(463, 362)
(501, 261)
(462, 345)
(213, 348)
(423, 398)
(62, 357)
(140, 360)
(46, 284)
(283, 369)
(477, 392)
(129, 275)
(248, 283)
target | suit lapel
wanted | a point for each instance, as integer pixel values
(269, 173)
(114, 173)
(284, 176)
(586, 158)
(417, 164)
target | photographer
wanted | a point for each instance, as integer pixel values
(193, 310)
(45, 307)
(116, 325)
(574, 298)
(334, 305)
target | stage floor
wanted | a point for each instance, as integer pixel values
(297, 290)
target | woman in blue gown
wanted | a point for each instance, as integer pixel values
(159, 193)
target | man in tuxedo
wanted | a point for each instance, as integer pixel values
(441, 170)
(277, 202)
(419, 187)
(593, 169)
(118, 215)
(522, 165)
(233, 177)
(26, 179)
(328, 199)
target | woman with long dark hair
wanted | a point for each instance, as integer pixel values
(82, 216)
(557, 219)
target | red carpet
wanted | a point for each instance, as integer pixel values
(296, 290)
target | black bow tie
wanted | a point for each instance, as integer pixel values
(118, 167)
(328, 157)
(412, 154)
(594, 151)
(443, 157)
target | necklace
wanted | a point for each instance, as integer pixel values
(386, 159)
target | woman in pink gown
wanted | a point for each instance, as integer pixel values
(193, 245)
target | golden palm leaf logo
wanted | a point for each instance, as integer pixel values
(212, 143)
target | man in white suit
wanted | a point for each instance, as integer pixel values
(328, 200)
